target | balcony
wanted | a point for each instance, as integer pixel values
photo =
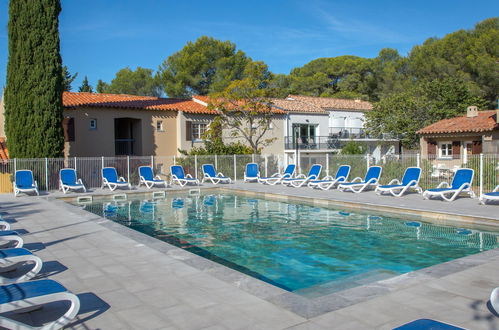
(337, 138)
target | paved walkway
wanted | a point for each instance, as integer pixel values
(127, 280)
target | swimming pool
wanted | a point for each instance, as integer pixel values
(311, 251)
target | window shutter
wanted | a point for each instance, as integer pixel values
(188, 130)
(68, 126)
(456, 149)
(432, 148)
(477, 147)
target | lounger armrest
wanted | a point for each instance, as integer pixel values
(413, 183)
(188, 176)
(104, 180)
(394, 181)
(276, 175)
(328, 178)
(340, 179)
(496, 188)
(121, 179)
(79, 181)
(35, 184)
(300, 176)
(443, 185)
(372, 181)
(357, 179)
(220, 175)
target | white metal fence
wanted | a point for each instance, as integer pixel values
(434, 170)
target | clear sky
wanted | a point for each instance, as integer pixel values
(100, 37)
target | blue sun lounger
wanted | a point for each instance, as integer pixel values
(25, 183)
(10, 237)
(358, 185)
(148, 179)
(69, 181)
(427, 324)
(329, 182)
(300, 180)
(461, 183)
(490, 196)
(25, 296)
(111, 180)
(397, 188)
(210, 174)
(252, 173)
(4, 225)
(10, 259)
(278, 177)
(179, 177)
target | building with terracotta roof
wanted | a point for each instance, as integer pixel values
(98, 124)
(323, 124)
(456, 138)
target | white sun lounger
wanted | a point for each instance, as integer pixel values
(341, 176)
(209, 173)
(398, 188)
(148, 179)
(25, 296)
(11, 259)
(278, 177)
(25, 183)
(8, 237)
(179, 177)
(112, 181)
(461, 183)
(491, 196)
(300, 180)
(358, 185)
(68, 180)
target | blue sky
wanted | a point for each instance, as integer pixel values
(98, 37)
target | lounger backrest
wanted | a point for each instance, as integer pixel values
(209, 169)
(146, 172)
(290, 169)
(110, 174)
(343, 171)
(411, 174)
(178, 171)
(252, 170)
(315, 170)
(68, 176)
(463, 175)
(24, 179)
(374, 172)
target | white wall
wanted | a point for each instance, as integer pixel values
(345, 119)
(320, 119)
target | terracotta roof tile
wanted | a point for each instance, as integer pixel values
(206, 99)
(485, 121)
(333, 103)
(296, 106)
(101, 100)
(4, 154)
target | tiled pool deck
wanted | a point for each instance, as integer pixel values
(127, 280)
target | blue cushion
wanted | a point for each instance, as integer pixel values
(412, 173)
(14, 252)
(389, 186)
(463, 175)
(290, 169)
(24, 179)
(352, 183)
(493, 194)
(343, 171)
(68, 177)
(146, 173)
(251, 170)
(440, 189)
(426, 324)
(373, 173)
(315, 170)
(21, 291)
(110, 174)
(8, 232)
(210, 170)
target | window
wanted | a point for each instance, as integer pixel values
(159, 126)
(446, 150)
(93, 124)
(198, 131)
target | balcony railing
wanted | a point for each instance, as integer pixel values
(334, 140)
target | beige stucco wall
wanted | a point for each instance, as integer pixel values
(182, 142)
(2, 117)
(100, 142)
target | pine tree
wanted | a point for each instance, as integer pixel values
(85, 86)
(67, 79)
(33, 94)
(102, 87)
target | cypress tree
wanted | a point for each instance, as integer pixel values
(33, 93)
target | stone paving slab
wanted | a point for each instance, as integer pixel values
(127, 280)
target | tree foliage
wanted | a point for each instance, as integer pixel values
(67, 79)
(33, 94)
(85, 86)
(426, 102)
(352, 148)
(138, 82)
(205, 66)
(245, 108)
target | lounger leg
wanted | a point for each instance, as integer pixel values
(4, 240)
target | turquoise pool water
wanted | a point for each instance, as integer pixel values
(309, 250)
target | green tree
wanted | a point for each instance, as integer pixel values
(85, 86)
(426, 102)
(101, 87)
(138, 82)
(33, 94)
(201, 67)
(352, 148)
(245, 108)
(67, 79)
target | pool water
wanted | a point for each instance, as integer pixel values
(309, 250)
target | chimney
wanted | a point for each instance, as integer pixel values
(472, 111)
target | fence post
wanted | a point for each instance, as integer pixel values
(152, 161)
(266, 160)
(418, 160)
(174, 160)
(481, 174)
(46, 174)
(252, 158)
(235, 168)
(128, 168)
(216, 162)
(15, 165)
(367, 160)
(196, 166)
(102, 158)
(327, 164)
